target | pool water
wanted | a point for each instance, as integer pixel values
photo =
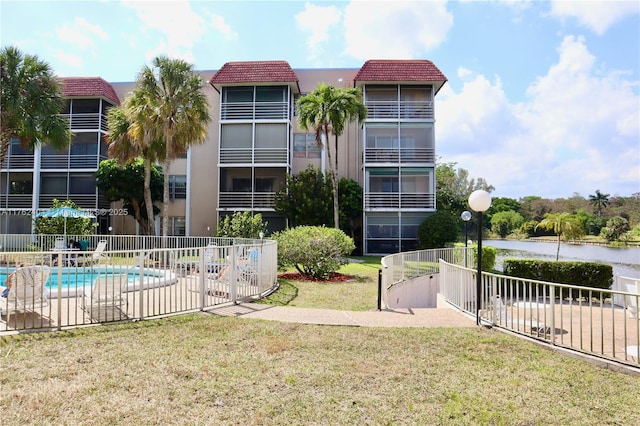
(73, 279)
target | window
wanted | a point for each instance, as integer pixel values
(241, 185)
(271, 136)
(264, 184)
(85, 106)
(384, 180)
(177, 187)
(17, 149)
(82, 184)
(236, 136)
(271, 94)
(53, 183)
(305, 146)
(237, 94)
(177, 226)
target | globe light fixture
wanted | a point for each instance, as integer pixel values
(466, 217)
(479, 201)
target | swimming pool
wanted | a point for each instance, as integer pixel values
(74, 280)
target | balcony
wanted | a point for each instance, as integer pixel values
(403, 155)
(15, 201)
(385, 110)
(87, 121)
(83, 201)
(246, 200)
(18, 162)
(396, 200)
(254, 111)
(251, 156)
(64, 161)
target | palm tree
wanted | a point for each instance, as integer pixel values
(599, 201)
(131, 135)
(328, 109)
(30, 103)
(564, 225)
(179, 111)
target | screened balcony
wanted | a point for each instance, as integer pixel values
(380, 110)
(399, 143)
(399, 102)
(254, 143)
(255, 103)
(395, 200)
(250, 188)
(261, 111)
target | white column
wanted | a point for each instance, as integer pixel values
(37, 151)
(187, 214)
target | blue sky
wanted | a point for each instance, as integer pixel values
(543, 98)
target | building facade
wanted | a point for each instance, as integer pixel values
(253, 143)
(30, 181)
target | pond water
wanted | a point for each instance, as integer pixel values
(625, 261)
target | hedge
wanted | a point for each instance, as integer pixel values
(585, 274)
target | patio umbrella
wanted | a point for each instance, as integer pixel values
(65, 212)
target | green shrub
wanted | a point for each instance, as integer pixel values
(242, 225)
(585, 274)
(437, 230)
(314, 251)
(488, 257)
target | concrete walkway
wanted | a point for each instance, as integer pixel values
(442, 316)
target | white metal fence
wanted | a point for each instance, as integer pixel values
(85, 287)
(603, 323)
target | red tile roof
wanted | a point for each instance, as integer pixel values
(254, 72)
(88, 87)
(400, 70)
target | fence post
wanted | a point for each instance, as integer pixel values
(379, 289)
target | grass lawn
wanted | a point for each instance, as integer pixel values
(201, 369)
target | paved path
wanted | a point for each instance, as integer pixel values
(441, 316)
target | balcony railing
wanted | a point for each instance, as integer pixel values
(247, 200)
(18, 162)
(395, 200)
(404, 155)
(86, 121)
(248, 156)
(15, 201)
(254, 111)
(380, 110)
(85, 201)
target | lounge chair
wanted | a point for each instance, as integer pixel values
(28, 291)
(97, 256)
(631, 301)
(106, 300)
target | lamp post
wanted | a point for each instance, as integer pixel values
(479, 201)
(466, 216)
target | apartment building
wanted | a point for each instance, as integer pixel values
(29, 181)
(254, 142)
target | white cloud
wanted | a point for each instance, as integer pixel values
(219, 24)
(317, 21)
(80, 33)
(400, 29)
(578, 131)
(175, 20)
(595, 15)
(72, 64)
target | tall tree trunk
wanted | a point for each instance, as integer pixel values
(147, 197)
(334, 180)
(558, 250)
